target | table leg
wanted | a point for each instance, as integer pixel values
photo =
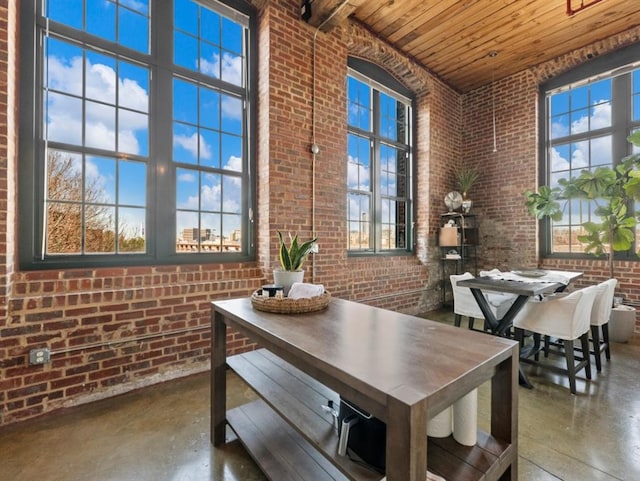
(523, 380)
(406, 436)
(507, 321)
(522, 377)
(490, 319)
(218, 378)
(504, 410)
(499, 327)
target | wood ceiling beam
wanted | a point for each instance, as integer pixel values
(331, 13)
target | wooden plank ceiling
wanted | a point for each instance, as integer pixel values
(454, 38)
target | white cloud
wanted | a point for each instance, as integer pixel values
(211, 196)
(580, 156)
(64, 121)
(190, 143)
(357, 174)
(601, 151)
(186, 176)
(101, 82)
(601, 117)
(100, 135)
(559, 129)
(234, 163)
(230, 205)
(231, 108)
(65, 77)
(64, 116)
(133, 95)
(232, 194)
(558, 162)
(231, 67)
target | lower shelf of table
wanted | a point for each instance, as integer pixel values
(280, 451)
(291, 438)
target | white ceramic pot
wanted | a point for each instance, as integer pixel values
(622, 323)
(287, 278)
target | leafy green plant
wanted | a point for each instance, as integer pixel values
(612, 189)
(466, 177)
(292, 257)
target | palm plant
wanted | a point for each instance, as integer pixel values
(466, 177)
(612, 189)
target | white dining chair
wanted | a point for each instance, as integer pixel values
(565, 317)
(464, 304)
(600, 315)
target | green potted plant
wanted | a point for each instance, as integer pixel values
(466, 177)
(291, 257)
(612, 189)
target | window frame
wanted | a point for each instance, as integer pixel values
(615, 66)
(161, 242)
(382, 81)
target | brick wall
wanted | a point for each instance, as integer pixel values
(291, 172)
(508, 233)
(110, 330)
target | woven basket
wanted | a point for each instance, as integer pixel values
(285, 305)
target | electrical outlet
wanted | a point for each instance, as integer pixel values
(315, 248)
(39, 356)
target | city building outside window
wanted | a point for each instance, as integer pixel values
(136, 117)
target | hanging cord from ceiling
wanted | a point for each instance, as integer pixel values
(493, 54)
(315, 149)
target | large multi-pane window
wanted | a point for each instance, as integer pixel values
(379, 164)
(587, 122)
(134, 135)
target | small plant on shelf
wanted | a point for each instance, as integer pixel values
(466, 177)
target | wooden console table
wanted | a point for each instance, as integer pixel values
(402, 369)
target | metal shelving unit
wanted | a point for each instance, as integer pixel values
(465, 246)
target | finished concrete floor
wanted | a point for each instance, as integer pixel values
(161, 433)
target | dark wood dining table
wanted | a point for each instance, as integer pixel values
(524, 288)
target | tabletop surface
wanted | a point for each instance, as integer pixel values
(363, 344)
(511, 283)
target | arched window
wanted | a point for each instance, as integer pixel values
(587, 115)
(379, 149)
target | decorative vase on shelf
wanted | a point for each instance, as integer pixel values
(287, 278)
(466, 203)
(466, 177)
